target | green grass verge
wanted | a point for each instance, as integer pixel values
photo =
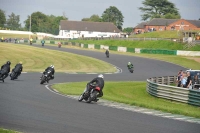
(159, 34)
(154, 44)
(133, 93)
(7, 131)
(37, 59)
(6, 35)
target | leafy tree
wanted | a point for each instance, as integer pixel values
(93, 18)
(158, 9)
(112, 14)
(171, 16)
(13, 21)
(2, 18)
(44, 23)
(37, 21)
(128, 30)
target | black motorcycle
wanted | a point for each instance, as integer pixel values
(91, 95)
(131, 69)
(2, 75)
(45, 77)
(13, 75)
(30, 42)
(107, 54)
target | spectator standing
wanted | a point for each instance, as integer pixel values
(196, 82)
(189, 81)
(178, 81)
(183, 79)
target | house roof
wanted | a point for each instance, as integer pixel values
(140, 25)
(161, 22)
(195, 22)
(88, 26)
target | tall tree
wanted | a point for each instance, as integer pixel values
(13, 21)
(37, 21)
(112, 14)
(93, 18)
(158, 9)
(128, 30)
(2, 18)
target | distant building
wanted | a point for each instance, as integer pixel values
(84, 29)
(160, 24)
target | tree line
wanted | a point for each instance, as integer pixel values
(41, 22)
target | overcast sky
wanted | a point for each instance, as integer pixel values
(78, 9)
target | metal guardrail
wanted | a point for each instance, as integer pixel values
(160, 87)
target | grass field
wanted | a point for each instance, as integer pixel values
(4, 35)
(159, 44)
(7, 131)
(133, 93)
(36, 59)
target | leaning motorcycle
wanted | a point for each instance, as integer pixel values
(131, 69)
(2, 76)
(13, 75)
(91, 95)
(45, 77)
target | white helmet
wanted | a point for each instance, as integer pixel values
(52, 66)
(100, 76)
(129, 63)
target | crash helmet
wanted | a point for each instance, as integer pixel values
(129, 63)
(100, 76)
(8, 62)
(52, 66)
(20, 62)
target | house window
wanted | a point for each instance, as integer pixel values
(90, 32)
(67, 30)
(182, 23)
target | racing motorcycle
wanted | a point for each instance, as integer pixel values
(107, 54)
(30, 42)
(2, 77)
(13, 75)
(91, 95)
(45, 77)
(131, 69)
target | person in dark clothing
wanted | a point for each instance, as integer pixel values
(129, 65)
(5, 69)
(189, 81)
(50, 68)
(99, 82)
(18, 69)
(107, 52)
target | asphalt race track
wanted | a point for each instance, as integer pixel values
(27, 106)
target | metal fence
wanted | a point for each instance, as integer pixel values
(160, 87)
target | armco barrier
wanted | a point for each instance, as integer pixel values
(85, 45)
(158, 51)
(159, 87)
(132, 50)
(97, 46)
(114, 48)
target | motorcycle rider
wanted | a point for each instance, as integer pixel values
(18, 69)
(5, 69)
(129, 65)
(107, 52)
(50, 68)
(99, 82)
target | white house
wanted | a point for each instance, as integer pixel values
(80, 29)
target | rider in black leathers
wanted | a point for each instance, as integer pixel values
(107, 52)
(18, 69)
(5, 69)
(98, 81)
(51, 68)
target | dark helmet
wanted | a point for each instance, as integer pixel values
(8, 62)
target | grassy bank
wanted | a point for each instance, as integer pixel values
(154, 44)
(7, 131)
(133, 93)
(159, 34)
(5, 35)
(37, 59)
